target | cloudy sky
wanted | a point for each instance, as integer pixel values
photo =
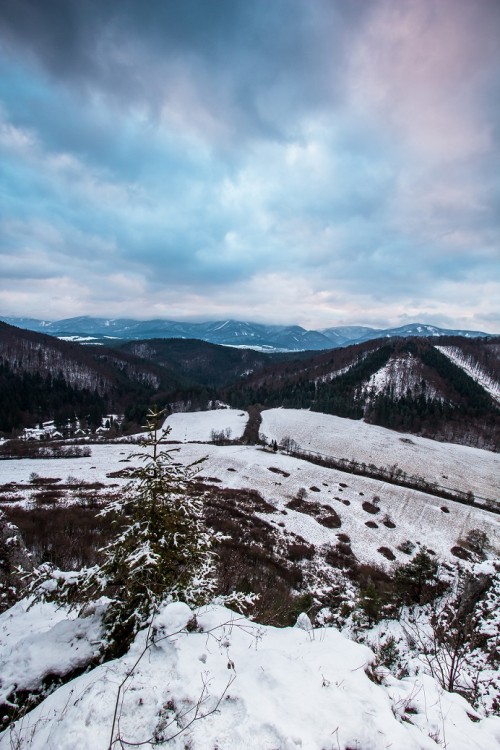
(320, 162)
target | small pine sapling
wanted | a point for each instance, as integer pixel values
(163, 549)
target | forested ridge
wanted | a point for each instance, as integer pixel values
(403, 384)
(423, 391)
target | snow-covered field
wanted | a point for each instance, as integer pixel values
(252, 687)
(417, 517)
(454, 466)
(198, 426)
(288, 688)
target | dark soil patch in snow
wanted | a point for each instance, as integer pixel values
(323, 514)
(461, 553)
(275, 470)
(345, 538)
(388, 523)
(370, 507)
(387, 553)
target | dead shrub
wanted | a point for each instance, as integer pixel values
(370, 507)
(68, 537)
(341, 556)
(387, 553)
(461, 553)
(275, 470)
(48, 497)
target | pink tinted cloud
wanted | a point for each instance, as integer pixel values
(423, 67)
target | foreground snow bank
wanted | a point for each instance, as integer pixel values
(200, 425)
(39, 642)
(221, 681)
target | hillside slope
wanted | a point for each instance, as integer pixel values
(404, 384)
(44, 378)
(199, 361)
(306, 538)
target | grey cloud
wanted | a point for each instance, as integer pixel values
(254, 62)
(222, 145)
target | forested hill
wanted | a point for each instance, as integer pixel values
(44, 378)
(447, 389)
(207, 364)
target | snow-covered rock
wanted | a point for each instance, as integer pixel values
(234, 685)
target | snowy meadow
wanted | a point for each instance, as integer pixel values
(213, 677)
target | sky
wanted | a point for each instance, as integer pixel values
(312, 162)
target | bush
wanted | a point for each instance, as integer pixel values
(477, 541)
(416, 581)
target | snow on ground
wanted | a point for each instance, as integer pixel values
(293, 688)
(458, 467)
(40, 640)
(104, 459)
(472, 368)
(417, 516)
(260, 688)
(198, 426)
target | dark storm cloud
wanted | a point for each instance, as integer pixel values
(261, 61)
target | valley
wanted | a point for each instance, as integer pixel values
(314, 526)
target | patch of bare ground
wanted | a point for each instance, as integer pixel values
(275, 470)
(323, 514)
(255, 556)
(387, 553)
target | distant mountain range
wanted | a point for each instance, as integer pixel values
(243, 334)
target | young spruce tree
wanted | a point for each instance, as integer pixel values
(162, 551)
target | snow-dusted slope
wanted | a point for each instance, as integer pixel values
(473, 369)
(249, 687)
(456, 466)
(415, 515)
(401, 374)
(278, 477)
